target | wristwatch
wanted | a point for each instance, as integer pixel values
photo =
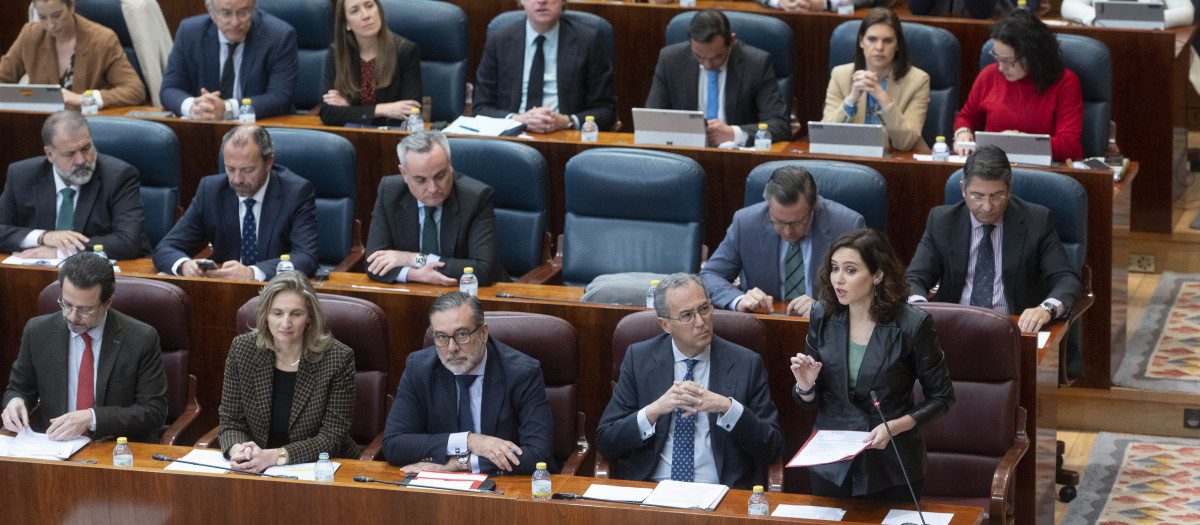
(419, 260)
(464, 462)
(282, 456)
(1049, 307)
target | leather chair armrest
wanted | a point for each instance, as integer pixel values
(209, 440)
(1001, 506)
(353, 260)
(185, 419)
(775, 476)
(549, 272)
(1089, 297)
(579, 455)
(602, 467)
(372, 450)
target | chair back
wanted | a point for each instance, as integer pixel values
(518, 174)
(108, 14)
(313, 22)
(933, 49)
(440, 30)
(631, 210)
(153, 149)
(736, 327)
(593, 20)
(764, 32)
(854, 186)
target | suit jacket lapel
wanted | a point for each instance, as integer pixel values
(493, 391)
(567, 49)
(768, 257)
(883, 338)
(261, 368)
(960, 253)
(512, 74)
(448, 238)
(268, 217)
(733, 84)
(306, 381)
(1010, 254)
(88, 193)
(408, 222)
(691, 87)
(210, 60)
(109, 350)
(722, 381)
(45, 211)
(228, 209)
(58, 343)
(837, 341)
(661, 376)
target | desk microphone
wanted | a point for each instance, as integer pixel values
(160, 457)
(364, 479)
(892, 438)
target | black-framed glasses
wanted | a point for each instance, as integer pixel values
(1002, 60)
(83, 311)
(687, 316)
(461, 337)
(995, 197)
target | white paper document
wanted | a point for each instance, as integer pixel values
(619, 494)
(684, 495)
(5, 443)
(302, 471)
(201, 455)
(900, 517)
(809, 512)
(1042, 338)
(34, 445)
(22, 261)
(830, 446)
(482, 126)
(435, 479)
(957, 159)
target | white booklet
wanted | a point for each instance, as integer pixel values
(213, 457)
(830, 446)
(809, 512)
(618, 494)
(483, 126)
(900, 517)
(22, 261)
(34, 445)
(684, 495)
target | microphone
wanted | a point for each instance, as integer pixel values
(506, 295)
(364, 479)
(892, 438)
(160, 457)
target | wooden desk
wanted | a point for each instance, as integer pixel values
(69, 492)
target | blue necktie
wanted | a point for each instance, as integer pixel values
(249, 236)
(683, 453)
(466, 421)
(714, 96)
(985, 270)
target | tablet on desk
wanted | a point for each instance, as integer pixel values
(31, 97)
(669, 127)
(1129, 15)
(1021, 148)
(859, 140)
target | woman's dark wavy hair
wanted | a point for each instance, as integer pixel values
(1033, 42)
(877, 253)
(883, 15)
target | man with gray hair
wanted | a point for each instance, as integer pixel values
(431, 222)
(776, 246)
(254, 213)
(73, 199)
(689, 405)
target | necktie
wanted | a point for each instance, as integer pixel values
(85, 394)
(537, 74)
(793, 272)
(714, 96)
(66, 212)
(683, 453)
(249, 235)
(466, 421)
(985, 270)
(227, 73)
(429, 233)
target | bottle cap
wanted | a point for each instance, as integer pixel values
(655, 282)
(285, 257)
(589, 118)
(762, 125)
(246, 101)
(415, 111)
(122, 441)
(89, 93)
(758, 489)
(324, 455)
(541, 465)
(941, 138)
(98, 248)
(468, 270)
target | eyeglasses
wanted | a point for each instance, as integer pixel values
(83, 311)
(461, 337)
(980, 198)
(795, 225)
(1002, 60)
(225, 14)
(688, 316)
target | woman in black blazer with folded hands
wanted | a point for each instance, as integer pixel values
(864, 337)
(375, 74)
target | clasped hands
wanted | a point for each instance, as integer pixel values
(249, 456)
(380, 262)
(864, 81)
(690, 397)
(501, 452)
(208, 106)
(543, 120)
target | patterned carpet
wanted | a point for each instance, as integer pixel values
(1164, 352)
(1138, 480)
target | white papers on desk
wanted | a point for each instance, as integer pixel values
(830, 446)
(957, 159)
(22, 261)
(684, 495)
(436, 479)
(481, 126)
(809, 512)
(205, 456)
(900, 517)
(5, 443)
(618, 494)
(1042, 338)
(303, 471)
(34, 445)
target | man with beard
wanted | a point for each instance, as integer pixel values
(73, 199)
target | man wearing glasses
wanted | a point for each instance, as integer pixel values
(89, 370)
(995, 250)
(233, 52)
(776, 246)
(468, 403)
(690, 406)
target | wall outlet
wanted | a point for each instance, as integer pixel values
(1191, 418)
(1141, 262)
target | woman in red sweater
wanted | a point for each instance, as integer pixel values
(1026, 90)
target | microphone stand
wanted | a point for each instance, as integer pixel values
(160, 457)
(895, 448)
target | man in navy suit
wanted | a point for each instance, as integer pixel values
(575, 80)
(690, 406)
(252, 215)
(776, 246)
(233, 52)
(447, 417)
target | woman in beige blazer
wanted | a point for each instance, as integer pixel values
(880, 86)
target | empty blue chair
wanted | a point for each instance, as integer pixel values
(933, 49)
(153, 149)
(440, 30)
(313, 22)
(767, 33)
(595, 21)
(854, 186)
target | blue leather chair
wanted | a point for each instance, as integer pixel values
(440, 30)
(595, 21)
(518, 174)
(854, 186)
(1090, 60)
(313, 22)
(767, 33)
(153, 149)
(631, 210)
(933, 49)
(108, 14)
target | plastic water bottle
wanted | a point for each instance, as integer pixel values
(541, 483)
(650, 293)
(758, 505)
(285, 264)
(468, 283)
(687, 3)
(590, 132)
(415, 122)
(941, 152)
(246, 112)
(122, 454)
(1022, 5)
(98, 249)
(323, 470)
(762, 138)
(89, 106)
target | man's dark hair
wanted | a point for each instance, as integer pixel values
(85, 270)
(454, 301)
(788, 184)
(988, 163)
(707, 25)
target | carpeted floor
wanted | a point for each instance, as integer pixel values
(1138, 480)
(1164, 352)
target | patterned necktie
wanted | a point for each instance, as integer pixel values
(429, 233)
(249, 235)
(66, 212)
(683, 453)
(537, 76)
(793, 271)
(466, 421)
(985, 270)
(227, 73)
(85, 393)
(714, 96)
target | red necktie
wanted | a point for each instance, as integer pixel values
(85, 395)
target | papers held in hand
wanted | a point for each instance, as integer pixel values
(684, 495)
(830, 446)
(35, 445)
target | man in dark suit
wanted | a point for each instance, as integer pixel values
(73, 199)
(575, 80)
(256, 212)
(88, 369)
(776, 246)
(733, 83)
(233, 52)
(405, 245)
(690, 406)
(446, 417)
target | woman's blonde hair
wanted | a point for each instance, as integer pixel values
(317, 338)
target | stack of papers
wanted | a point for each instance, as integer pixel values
(617, 494)
(809, 512)
(684, 495)
(302, 471)
(485, 126)
(220, 465)
(900, 517)
(21, 261)
(436, 479)
(830, 446)
(34, 445)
